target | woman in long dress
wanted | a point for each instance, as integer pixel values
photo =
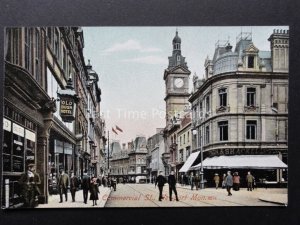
(94, 190)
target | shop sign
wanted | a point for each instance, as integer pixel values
(241, 151)
(18, 130)
(29, 135)
(30, 157)
(67, 106)
(7, 125)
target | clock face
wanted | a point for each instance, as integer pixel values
(178, 82)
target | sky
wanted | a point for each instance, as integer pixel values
(130, 62)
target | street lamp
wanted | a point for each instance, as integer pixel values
(195, 132)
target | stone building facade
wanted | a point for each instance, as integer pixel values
(38, 63)
(241, 107)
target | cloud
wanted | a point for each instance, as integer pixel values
(153, 60)
(130, 45)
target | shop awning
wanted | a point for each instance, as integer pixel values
(189, 162)
(242, 162)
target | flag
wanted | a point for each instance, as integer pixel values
(113, 130)
(119, 129)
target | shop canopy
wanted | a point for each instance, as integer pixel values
(242, 162)
(189, 162)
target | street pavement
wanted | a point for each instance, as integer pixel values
(53, 200)
(146, 195)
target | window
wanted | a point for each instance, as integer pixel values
(37, 56)
(251, 129)
(223, 97)
(178, 58)
(250, 61)
(49, 34)
(180, 141)
(188, 152)
(181, 155)
(251, 96)
(27, 46)
(207, 104)
(56, 43)
(188, 136)
(201, 110)
(64, 60)
(184, 139)
(207, 135)
(223, 130)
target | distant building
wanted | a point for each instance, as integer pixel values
(241, 107)
(155, 146)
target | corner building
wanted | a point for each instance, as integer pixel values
(241, 107)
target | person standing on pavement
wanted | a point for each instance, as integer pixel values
(249, 179)
(236, 181)
(74, 184)
(63, 184)
(217, 180)
(172, 186)
(223, 181)
(192, 181)
(229, 182)
(94, 191)
(160, 182)
(197, 181)
(85, 186)
(29, 182)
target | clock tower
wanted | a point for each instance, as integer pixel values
(176, 78)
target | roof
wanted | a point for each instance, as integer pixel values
(243, 162)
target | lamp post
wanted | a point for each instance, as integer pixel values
(195, 132)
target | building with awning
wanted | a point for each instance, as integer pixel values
(242, 162)
(189, 162)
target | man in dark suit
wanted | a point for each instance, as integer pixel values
(63, 183)
(85, 186)
(172, 185)
(160, 182)
(29, 182)
(73, 185)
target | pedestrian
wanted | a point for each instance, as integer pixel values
(172, 186)
(63, 184)
(94, 190)
(74, 184)
(236, 181)
(182, 180)
(160, 182)
(192, 180)
(197, 181)
(229, 182)
(254, 183)
(217, 180)
(29, 182)
(249, 179)
(114, 183)
(85, 186)
(223, 181)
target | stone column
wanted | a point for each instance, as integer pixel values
(42, 164)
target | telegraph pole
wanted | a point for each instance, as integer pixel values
(108, 153)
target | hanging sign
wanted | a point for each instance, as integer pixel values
(67, 106)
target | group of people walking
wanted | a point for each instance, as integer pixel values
(160, 182)
(233, 181)
(88, 184)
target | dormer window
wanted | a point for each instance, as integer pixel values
(250, 61)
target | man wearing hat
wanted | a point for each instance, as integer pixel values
(29, 182)
(217, 180)
(160, 182)
(63, 183)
